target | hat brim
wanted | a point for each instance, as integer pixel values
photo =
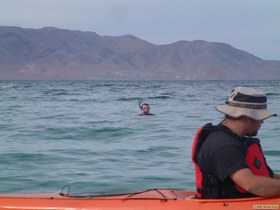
(236, 112)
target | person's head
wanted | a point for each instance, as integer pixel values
(145, 109)
(248, 106)
(246, 125)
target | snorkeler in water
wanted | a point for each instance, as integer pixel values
(145, 109)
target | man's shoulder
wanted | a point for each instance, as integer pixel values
(221, 138)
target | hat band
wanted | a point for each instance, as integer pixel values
(249, 106)
(240, 97)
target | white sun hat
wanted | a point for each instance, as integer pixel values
(245, 101)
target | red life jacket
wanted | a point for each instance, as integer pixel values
(254, 158)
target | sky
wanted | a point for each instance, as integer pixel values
(249, 25)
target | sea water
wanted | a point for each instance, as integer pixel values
(89, 134)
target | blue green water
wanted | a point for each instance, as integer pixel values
(89, 135)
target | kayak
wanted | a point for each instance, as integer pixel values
(154, 199)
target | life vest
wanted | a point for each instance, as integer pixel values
(254, 159)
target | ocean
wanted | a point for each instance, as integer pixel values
(88, 135)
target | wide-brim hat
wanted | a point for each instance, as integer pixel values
(245, 101)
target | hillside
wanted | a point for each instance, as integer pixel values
(58, 54)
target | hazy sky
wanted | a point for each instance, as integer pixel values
(249, 25)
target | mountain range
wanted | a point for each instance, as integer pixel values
(58, 54)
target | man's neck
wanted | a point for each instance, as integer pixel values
(235, 126)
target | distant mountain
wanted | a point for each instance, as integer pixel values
(57, 54)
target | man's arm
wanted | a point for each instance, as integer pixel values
(257, 185)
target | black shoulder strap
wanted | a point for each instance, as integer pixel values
(206, 130)
(249, 141)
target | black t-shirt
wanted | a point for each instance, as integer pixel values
(222, 154)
